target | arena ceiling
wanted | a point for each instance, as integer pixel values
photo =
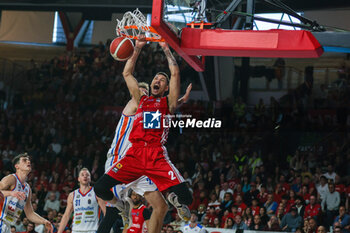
(120, 6)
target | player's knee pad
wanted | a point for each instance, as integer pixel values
(183, 193)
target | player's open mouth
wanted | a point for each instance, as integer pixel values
(156, 87)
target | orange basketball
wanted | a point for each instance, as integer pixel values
(121, 48)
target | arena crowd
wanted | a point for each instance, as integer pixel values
(279, 166)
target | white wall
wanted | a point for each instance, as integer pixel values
(104, 30)
(27, 26)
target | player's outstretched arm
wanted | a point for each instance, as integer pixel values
(102, 205)
(6, 184)
(34, 217)
(67, 213)
(129, 68)
(186, 96)
(174, 85)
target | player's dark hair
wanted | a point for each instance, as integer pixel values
(17, 158)
(164, 74)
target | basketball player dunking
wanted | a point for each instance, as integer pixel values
(17, 196)
(142, 186)
(147, 155)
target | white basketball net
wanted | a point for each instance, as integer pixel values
(133, 24)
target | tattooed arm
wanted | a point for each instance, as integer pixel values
(174, 85)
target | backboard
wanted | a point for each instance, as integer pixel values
(169, 19)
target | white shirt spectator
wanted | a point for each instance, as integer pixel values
(52, 203)
(39, 228)
(322, 190)
(222, 193)
(331, 199)
(330, 176)
(197, 229)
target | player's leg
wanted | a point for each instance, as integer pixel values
(126, 170)
(166, 176)
(160, 208)
(108, 220)
(112, 211)
(145, 187)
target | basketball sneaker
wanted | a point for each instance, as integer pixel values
(125, 212)
(182, 210)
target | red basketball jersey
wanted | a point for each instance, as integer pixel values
(138, 221)
(148, 125)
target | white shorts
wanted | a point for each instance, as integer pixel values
(140, 186)
(4, 227)
(108, 163)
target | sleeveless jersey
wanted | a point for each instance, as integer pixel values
(121, 141)
(149, 121)
(138, 221)
(12, 208)
(86, 211)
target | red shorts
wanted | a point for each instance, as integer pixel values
(151, 161)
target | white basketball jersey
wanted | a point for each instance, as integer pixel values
(86, 211)
(12, 208)
(121, 142)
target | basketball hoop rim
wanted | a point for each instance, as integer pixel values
(142, 28)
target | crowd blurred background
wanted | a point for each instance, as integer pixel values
(277, 166)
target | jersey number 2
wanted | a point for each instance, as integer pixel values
(171, 174)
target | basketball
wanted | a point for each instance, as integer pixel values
(121, 48)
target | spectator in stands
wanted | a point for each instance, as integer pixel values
(241, 206)
(229, 223)
(30, 228)
(225, 189)
(304, 193)
(255, 207)
(272, 224)
(313, 209)
(330, 204)
(300, 206)
(312, 226)
(239, 224)
(322, 187)
(330, 174)
(256, 225)
(53, 189)
(227, 202)
(217, 223)
(13, 229)
(270, 205)
(169, 229)
(194, 226)
(177, 224)
(291, 221)
(342, 220)
(263, 216)
(214, 202)
(52, 203)
(251, 194)
(247, 216)
(321, 229)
